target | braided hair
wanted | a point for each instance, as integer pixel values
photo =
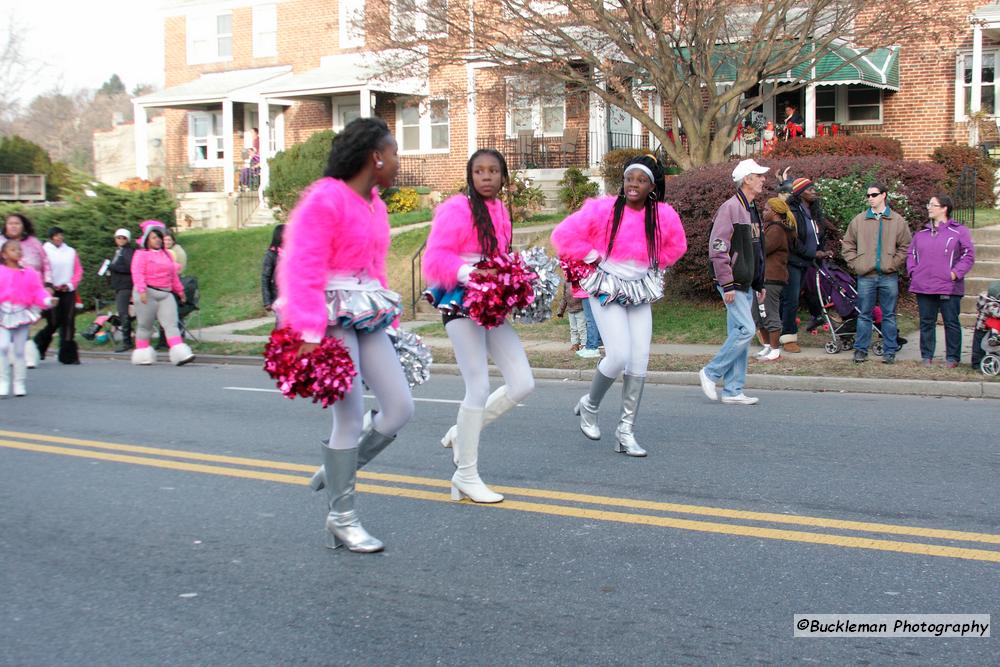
(353, 145)
(480, 215)
(657, 195)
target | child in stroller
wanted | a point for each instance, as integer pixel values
(838, 298)
(986, 339)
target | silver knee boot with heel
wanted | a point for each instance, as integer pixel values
(632, 386)
(586, 407)
(343, 527)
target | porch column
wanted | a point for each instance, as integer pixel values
(228, 159)
(597, 145)
(140, 130)
(977, 67)
(654, 143)
(365, 95)
(265, 129)
(470, 111)
(811, 110)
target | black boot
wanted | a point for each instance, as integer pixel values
(69, 353)
(126, 343)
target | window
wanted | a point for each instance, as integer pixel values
(826, 104)
(209, 38)
(988, 90)
(265, 31)
(423, 127)
(544, 113)
(205, 138)
(864, 104)
(413, 19)
(352, 23)
(274, 131)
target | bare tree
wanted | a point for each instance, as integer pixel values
(16, 68)
(704, 58)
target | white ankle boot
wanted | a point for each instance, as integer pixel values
(465, 483)
(181, 354)
(20, 375)
(144, 357)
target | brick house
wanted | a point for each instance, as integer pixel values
(294, 67)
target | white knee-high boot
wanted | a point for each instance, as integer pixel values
(497, 404)
(465, 483)
(31, 353)
(4, 377)
(20, 375)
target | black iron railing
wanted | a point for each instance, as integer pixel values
(247, 203)
(411, 172)
(416, 277)
(965, 197)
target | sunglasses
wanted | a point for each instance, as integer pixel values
(873, 194)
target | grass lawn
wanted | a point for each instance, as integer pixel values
(412, 217)
(987, 216)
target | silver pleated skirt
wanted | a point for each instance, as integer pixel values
(364, 310)
(609, 288)
(14, 315)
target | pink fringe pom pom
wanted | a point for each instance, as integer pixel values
(575, 270)
(325, 375)
(490, 298)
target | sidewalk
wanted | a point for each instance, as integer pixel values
(911, 352)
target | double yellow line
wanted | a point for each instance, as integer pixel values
(811, 530)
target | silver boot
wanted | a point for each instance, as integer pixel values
(586, 407)
(343, 527)
(625, 433)
(370, 445)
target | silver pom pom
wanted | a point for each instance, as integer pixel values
(546, 286)
(414, 356)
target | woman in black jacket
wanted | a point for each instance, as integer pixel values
(268, 289)
(121, 283)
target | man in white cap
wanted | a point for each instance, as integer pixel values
(121, 283)
(737, 265)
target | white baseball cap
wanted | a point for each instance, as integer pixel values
(123, 232)
(747, 167)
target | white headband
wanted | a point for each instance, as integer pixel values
(641, 167)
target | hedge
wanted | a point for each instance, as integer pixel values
(698, 193)
(90, 224)
(841, 145)
(292, 170)
(954, 158)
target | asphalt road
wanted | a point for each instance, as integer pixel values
(699, 554)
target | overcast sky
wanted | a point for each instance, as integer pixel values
(81, 43)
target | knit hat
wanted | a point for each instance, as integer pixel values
(147, 225)
(780, 206)
(121, 231)
(800, 185)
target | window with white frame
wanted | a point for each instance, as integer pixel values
(988, 101)
(544, 113)
(209, 38)
(265, 31)
(423, 127)
(414, 19)
(856, 104)
(274, 130)
(352, 23)
(205, 138)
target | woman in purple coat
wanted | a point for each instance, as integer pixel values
(940, 255)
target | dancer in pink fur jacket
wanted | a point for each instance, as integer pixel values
(466, 229)
(630, 238)
(22, 298)
(332, 282)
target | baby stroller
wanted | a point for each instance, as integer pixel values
(838, 297)
(987, 332)
(192, 296)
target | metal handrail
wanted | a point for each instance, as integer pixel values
(416, 277)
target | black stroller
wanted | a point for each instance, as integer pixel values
(192, 296)
(838, 297)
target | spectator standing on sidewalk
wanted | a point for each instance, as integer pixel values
(175, 250)
(737, 264)
(875, 248)
(268, 272)
(779, 230)
(66, 275)
(121, 283)
(940, 256)
(572, 302)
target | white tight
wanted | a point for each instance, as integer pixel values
(626, 331)
(13, 337)
(375, 360)
(472, 344)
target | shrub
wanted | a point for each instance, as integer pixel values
(845, 145)
(294, 169)
(613, 165)
(401, 200)
(574, 188)
(697, 194)
(954, 158)
(20, 156)
(90, 224)
(523, 198)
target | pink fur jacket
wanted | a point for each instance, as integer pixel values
(589, 228)
(332, 231)
(23, 287)
(453, 235)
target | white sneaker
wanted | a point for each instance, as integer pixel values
(588, 353)
(739, 399)
(707, 386)
(773, 355)
(766, 350)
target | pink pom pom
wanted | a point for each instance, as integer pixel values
(489, 298)
(325, 374)
(575, 270)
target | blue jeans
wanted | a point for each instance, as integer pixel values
(730, 363)
(886, 287)
(929, 305)
(593, 334)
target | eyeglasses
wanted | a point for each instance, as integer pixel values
(873, 194)
(933, 205)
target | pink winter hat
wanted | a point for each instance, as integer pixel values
(145, 226)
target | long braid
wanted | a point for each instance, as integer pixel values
(481, 220)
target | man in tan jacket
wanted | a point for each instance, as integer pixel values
(875, 248)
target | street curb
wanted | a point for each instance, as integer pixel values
(926, 388)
